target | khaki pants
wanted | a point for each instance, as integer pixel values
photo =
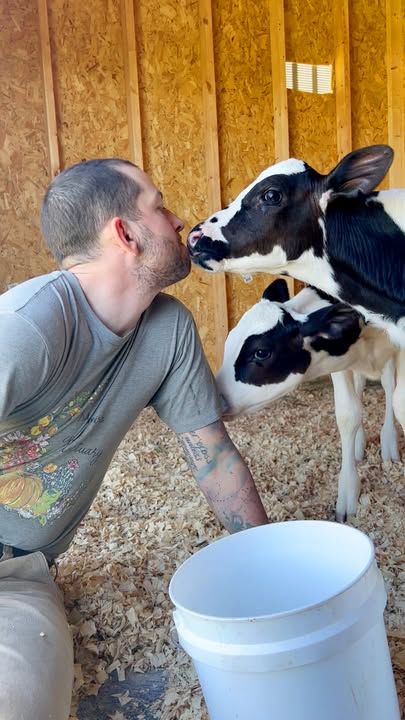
(36, 650)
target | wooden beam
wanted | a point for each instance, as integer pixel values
(342, 76)
(49, 95)
(280, 106)
(132, 82)
(395, 89)
(280, 103)
(218, 282)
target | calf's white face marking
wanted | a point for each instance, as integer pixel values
(213, 229)
(260, 318)
(303, 268)
(255, 262)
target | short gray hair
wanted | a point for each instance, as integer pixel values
(80, 201)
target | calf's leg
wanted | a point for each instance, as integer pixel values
(348, 411)
(388, 435)
(398, 400)
(360, 442)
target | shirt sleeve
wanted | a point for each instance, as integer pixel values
(187, 399)
(24, 362)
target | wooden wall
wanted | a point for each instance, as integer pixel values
(23, 154)
(196, 94)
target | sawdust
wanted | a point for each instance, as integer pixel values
(149, 517)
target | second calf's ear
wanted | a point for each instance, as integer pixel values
(277, 291)
(334, 322)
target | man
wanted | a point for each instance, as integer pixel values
(82, 351)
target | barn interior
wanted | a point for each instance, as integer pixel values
(196, 94)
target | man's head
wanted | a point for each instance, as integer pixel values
(111, 203)
(79, 202)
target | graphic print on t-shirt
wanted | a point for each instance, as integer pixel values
(33, 483)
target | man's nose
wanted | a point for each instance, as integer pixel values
(177, 223)
(194, 237)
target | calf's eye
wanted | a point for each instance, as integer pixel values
(262, 354)
(272, 197)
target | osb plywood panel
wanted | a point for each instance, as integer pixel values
(242, 295)
(312, 118)
(244, 90)
(171, 100)
(23, 154)
(86, 46)
(245, 115)
(368, 72)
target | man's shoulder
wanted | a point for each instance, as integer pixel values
(21, 295)
(40, 303)
(169, 308)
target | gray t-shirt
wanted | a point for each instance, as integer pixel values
(70, 389)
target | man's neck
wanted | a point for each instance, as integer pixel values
(117, 300)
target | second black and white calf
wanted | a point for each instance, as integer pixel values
(278, 344)
(331, 231)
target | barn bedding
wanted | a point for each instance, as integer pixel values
(149, 517)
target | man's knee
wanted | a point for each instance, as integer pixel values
(36, 702)
(36, 650)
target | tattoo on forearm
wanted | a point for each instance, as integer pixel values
(242, 488)
(200, 458)
(194, 449)
(223, 477)
(235, 522)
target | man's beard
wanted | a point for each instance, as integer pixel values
(155, 277)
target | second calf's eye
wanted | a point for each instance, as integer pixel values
(262, 354)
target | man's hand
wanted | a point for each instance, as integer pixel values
(223, 477)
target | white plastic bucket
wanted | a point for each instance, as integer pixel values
(285, 622)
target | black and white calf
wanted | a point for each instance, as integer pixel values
(279, 344)
(331, 231)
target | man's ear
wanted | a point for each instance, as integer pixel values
(125, 236)
(360, 171)
(277, 291)
(333, 328)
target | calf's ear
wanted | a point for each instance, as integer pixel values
(277, 291)
(335, 322)
(360, 171)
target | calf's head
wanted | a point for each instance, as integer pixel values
(271, 350)
(280, 216)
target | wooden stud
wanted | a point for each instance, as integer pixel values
(395, 88)
(280, 106)
(280, 103)
(218, 282)
(131, 82)
(342, 75)
(49, 95)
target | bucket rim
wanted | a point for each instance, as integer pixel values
(283, 613)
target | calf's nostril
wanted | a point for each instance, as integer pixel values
(194, 237)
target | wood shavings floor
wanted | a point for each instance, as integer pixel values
(149, 517)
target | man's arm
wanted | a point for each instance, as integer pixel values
(223, 477)
(24, 362)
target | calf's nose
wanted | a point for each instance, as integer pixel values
(193, 237)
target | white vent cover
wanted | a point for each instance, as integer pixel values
(309, 78)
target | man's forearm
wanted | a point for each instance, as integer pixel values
(233, 497)
(224, 478)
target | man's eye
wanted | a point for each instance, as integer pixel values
(272, 197)
(261, 354)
